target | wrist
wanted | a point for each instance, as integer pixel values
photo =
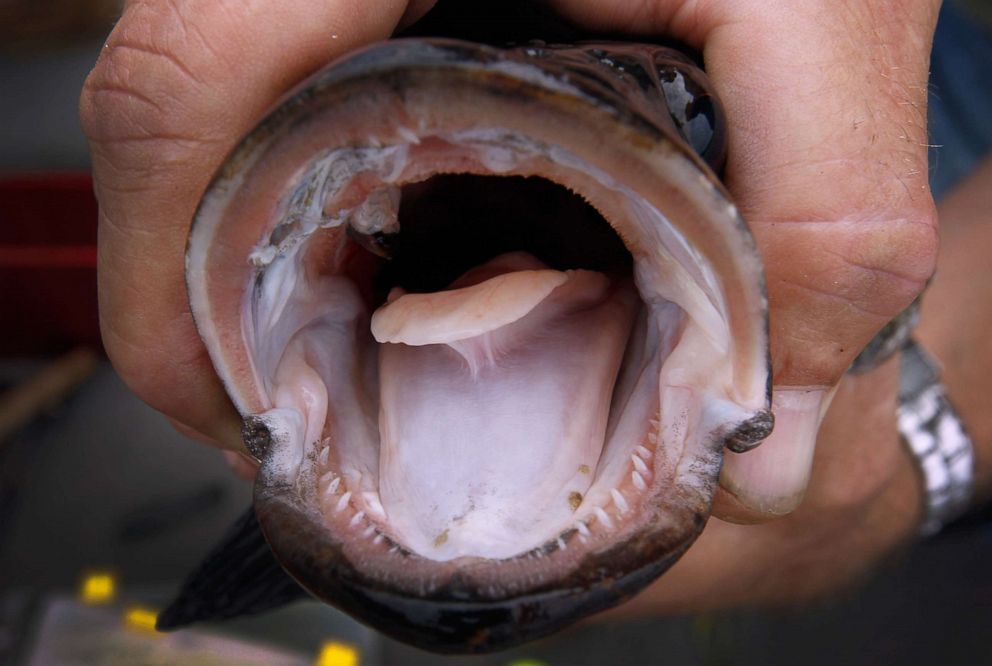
(956, 315)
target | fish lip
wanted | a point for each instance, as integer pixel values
(457, 617)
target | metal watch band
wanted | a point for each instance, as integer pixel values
(934, 434)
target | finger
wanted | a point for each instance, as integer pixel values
(827, 161)
(416, 10)
(835, 188)
(178, 83)
(853, 515)
(241, 465)
(193, 434)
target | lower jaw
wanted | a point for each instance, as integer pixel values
(322, 510)
(471, 605)
(325, 518)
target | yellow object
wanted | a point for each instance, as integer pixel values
(98, 588)
(141, 618)
(337, 654)
(526, 662)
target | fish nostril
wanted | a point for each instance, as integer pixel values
(380, 244)
(256, 436)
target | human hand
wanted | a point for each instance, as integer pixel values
(176, 87)
(863, 492)
(826, 105)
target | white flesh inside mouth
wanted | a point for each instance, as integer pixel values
(519, 407)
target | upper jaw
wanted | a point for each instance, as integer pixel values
(468, 109)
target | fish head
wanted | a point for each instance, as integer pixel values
(491, 321)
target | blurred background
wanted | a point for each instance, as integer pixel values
(104, 508)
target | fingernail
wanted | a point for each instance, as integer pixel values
(772, 478)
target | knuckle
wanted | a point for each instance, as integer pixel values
(833, 285)
(149, 82)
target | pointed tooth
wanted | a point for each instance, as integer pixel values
(373, 504)
(408, 135)
(638, 480)
(581, 527)
(603, 517)
(323, 456)
(644, 452)
(357, 518)
(343, 502)
(639, 464)
(619, 501)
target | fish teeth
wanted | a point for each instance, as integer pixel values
(323, 455)
(332, 486)
(639, 464)
(373, 504)
(603, 517)
(343, 502)
(644, 451)
(638, 480)
(619, 501)
(408, 134)
(378, 539)
(561, 544)
(357, 518)
(368, 531)
(581, 527)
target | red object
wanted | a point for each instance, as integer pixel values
(48, 228)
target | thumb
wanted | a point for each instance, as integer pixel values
(177, 85)
(828, 164)
(826, 109)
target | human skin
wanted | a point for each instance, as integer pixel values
(827, 161)
(846, 523)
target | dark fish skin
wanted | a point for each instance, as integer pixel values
(458, 618)
(240, 576)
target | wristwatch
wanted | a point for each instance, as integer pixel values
(935, 436)
(930, 429)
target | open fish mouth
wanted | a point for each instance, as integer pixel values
(491, 325)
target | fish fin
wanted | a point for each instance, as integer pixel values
(240, 576)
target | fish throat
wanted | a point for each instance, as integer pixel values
(502, 396)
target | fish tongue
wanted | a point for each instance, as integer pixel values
(494, 400)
